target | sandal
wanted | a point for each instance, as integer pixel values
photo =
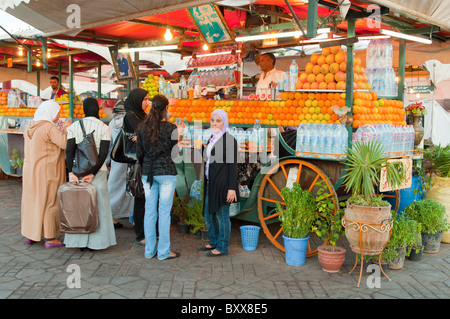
(173, 257)
(211, 254)
(204, 248)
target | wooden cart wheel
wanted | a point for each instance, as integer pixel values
(296, 170)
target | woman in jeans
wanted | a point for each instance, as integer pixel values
(221, 185)
(155, 143)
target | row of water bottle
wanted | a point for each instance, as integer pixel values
(222, 55)
(379, 54)
(287, 81)
(253, 137)
(196, 136)
(217, 77)
(393, 138)
(382, 81)
(321, 138)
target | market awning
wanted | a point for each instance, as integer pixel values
(59, 17)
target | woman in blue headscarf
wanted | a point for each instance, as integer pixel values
(221, 184)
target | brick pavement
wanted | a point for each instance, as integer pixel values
(121, 272)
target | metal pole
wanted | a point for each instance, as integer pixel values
(71, 86)
(350, 75)
(99, 80)
(401, 69)
(38, 82)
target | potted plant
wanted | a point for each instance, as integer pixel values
(440, 182)
(364, 163)
(16, 162)
(297, 218)
(404, 236)
(195, 218)
(180, 210)
(328, 227)
(418, 111)
(431, 215)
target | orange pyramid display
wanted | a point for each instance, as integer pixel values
(328, 72)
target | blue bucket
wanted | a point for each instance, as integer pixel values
(407, 195)
(295, 249)
(249, 236)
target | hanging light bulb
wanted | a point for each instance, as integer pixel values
(205, 47)
(38, 63)
(168, 35)
(411, 90)
(397, 79)
(20, 52)
(418, 95)
(48, 55)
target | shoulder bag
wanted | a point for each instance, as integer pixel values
(134, 180)
(86, 155)
(124, 149)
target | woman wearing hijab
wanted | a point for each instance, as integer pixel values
(104, 236)
(155, 144)
(44, 171)
(135, 105)
(122, 202)
(221, 185)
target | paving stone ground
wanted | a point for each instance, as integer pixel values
(122, 272)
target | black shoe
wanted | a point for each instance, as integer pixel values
(204, 248)
(173, 257)
(118, 225)
(211, 254)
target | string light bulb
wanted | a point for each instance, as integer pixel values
(48, 55)
(38, 63)
(20, 52)
(168, 35)
(205, 47)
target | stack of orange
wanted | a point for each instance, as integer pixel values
(367, 109)
(293, 109)
(78, 111)
(328, 71)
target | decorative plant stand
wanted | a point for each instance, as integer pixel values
(363, 228)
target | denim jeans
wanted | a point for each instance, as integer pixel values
(161, 193)
(219, 235)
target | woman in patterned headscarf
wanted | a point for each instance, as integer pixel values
(221, 185)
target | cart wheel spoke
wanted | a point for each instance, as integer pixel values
(308, 175)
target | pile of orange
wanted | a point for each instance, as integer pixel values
(328, 71)
(21, 111)
(291, 110)
(367, 109)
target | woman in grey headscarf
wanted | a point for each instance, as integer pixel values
(122, 202)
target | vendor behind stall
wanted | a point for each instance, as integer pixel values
(270, 76)
(56, 90)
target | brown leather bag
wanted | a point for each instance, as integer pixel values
(78, 210)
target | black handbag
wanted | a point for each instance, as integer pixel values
(134, 180)
(86, 155)
(124, 149)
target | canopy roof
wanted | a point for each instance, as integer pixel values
(141, 23)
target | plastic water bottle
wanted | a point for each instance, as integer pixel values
(299, 145)
(162, 84)
(293, 75)
(314, 138)
(286, 82)
(344, 140)
(320, 131)
(183, 87)
(256, 133)
(329, 139)
(307, 138)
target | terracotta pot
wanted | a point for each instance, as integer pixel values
(418, 128)
(367, 229)
(331, 258)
